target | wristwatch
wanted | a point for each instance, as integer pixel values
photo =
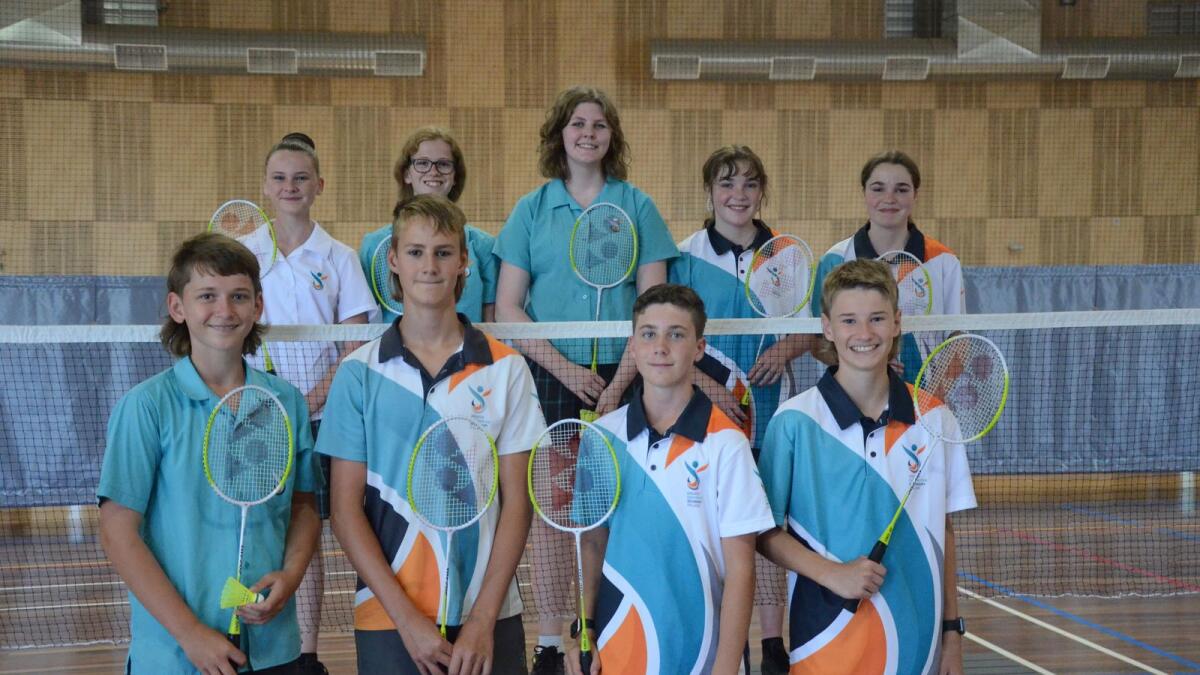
(956, 624)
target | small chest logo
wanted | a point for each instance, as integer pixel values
(914, 459)
(479, 397)
(694, 469)
(318, 280)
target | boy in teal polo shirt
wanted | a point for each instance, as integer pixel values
(167, 533)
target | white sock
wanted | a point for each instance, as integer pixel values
(550, 641)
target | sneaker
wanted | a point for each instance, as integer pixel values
(775, 658)
(548, 661)
(309, 665)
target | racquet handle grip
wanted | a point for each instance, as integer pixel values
(876, 555)
(585, 662)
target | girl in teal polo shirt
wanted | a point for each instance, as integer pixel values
(584, 155)
(431, 162)
(168, 535)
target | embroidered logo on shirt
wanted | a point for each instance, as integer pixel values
(480, 395)
(694, 469)
(318, 280)
(914, 462)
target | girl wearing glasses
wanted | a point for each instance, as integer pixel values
(432, 163)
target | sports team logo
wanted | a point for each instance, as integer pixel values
(479, 396)
(318, 280)
(694, 470)
(914, 460)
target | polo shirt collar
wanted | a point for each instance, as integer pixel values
(319, 242)
(193, 386)
(900, 404)
(692, 422)
(557, 195)
(864, 249)
(475, 347)
(721, 245)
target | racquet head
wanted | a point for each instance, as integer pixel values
(241, 219)
(604, 245)
(248, 446)
(968, 375)
(781, 276)
(381, 278)
(453, 474)
(573, 478)
(913, 282)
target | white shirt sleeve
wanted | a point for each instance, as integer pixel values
(523, 418)
(741, 499)
(954, 296)
(354, 294)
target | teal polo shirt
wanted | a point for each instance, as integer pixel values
(483, 268)
(537, 239)
(153, 464)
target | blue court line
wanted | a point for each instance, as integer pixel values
(1096, 513)
(1080, 620)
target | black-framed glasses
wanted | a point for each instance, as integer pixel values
(444, 166)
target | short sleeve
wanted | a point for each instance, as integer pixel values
(524, 421)
(512, 246)
(343, 427)
(308, 477)
(656, 243)
(354, 295)
(679, 270)
(775, 464)
(954, 298)
(743, 507)
(483, 246)
(828, 262)
(960, 490)
(132, 452)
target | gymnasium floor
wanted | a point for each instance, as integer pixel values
(64, 587)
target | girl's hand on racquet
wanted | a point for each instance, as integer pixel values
(281, 585)
(609, 400)
(429, 650)
(582, 382)
(723, 398)
(473, 648)
(771, 365)
(211, 652)
(858, 579)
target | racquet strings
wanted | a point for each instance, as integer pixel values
(381, 277)
(912, 282)
(573, 476)
(968, 374)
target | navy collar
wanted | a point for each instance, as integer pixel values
(475, 348)
(900, 403)
(692, 422)
(864, 249)
(721, 245)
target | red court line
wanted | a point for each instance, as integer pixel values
(1107, 561)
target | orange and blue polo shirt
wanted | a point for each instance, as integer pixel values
(835, 478)
(381, 401)
(716, 269)
(945, 275)
(658, 605)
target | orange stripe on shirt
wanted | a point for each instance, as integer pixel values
(625, 651)
(934, 248)
(679, 445)
(861, 648)
(420, 579)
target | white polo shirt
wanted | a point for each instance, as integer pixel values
(318, 283)
(664, 568)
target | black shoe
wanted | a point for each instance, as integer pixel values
(309, 665)
(775, 658)
(548, 661)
